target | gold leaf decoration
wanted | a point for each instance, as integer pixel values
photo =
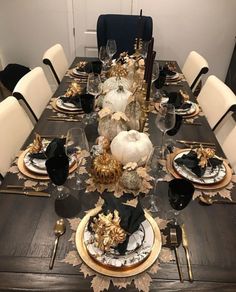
(167, 177)
(121, 282)
(100, 202)
(100, 283)
(130, 166)
(142, 282)
(230, 186)
(154, 268)
(166, 255)
(72, 238)
(120, 116)
(87, 271)
(163, 239)
(225, 193)
(37, 144)
(162, 223)
(233, 179)
(104, 112)
(74, 223)
(30, 183)
(132, 203)
(72, 258)
(14, 169)
(20, 176)
(82, 170)
(196, 194)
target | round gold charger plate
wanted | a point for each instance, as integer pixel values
(219, 185)
(23, 169)
(117, 272)
(55, 107)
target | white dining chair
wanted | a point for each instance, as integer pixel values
(216, 100)
(195, 65)
(55, 58)
(228, 145)
(15, 128)
(34, 91)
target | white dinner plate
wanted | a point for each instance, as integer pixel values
(66, 105)
(38, 165)
(210, 176)
(138, 249)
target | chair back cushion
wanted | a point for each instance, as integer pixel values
(123, 29)
(35, 89)
(15, 128)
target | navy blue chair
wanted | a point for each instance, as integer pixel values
(123, 29)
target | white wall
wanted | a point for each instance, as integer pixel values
(207, 26)
(29, 27)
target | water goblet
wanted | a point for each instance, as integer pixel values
(103, 57)
(155, 169)
(144, 49)
(76, 142)
(165, 121)
(111, 48)
(180, 193)
(155, 76)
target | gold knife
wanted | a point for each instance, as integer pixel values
(195, 143)
(174, 243)
(185, 246)
(26, 193)
(63, 119)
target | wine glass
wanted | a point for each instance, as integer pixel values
(103, 57)
(111, 48)
(155, 76)
(58, 170)
(180, 193)
(76, 142)
(144, 49)
(165, 121)
(155, 169)
(94, 88)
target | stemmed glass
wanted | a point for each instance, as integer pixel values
(103, 57)
(154, 168)
(155, 76)
(165, 121)
(76, 142)
(180, 194)
(111, 48)
(144, 49)
(58, 170)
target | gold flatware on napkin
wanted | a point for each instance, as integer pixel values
(59, 230)
(185, 246)
(174, 244)
(185, 142)
(192, 124)
(206, 200)
(26, 193)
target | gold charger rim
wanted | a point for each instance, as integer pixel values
(123, 272)
(23, 169)
(215, 186)
(55, 107)
(195, 113)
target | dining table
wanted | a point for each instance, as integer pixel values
(27, 223)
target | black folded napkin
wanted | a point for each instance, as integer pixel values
(57, 163)
(131, 217)
(159, 83)
(75, 100)
(39, 155)
(177, 100)
(168, 72)
(191, 161)
(175, 129)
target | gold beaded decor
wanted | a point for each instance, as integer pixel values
(106, 169)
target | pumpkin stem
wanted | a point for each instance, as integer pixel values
(120, 88)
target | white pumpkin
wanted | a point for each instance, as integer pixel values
(131, 146)
(117, 99)
(114, 82)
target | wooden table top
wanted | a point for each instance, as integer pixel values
(27, 238)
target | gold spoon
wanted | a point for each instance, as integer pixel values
(209, 201)
(59, 230)
(35, 188)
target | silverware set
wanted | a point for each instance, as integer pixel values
(174, 244)
(196, 143)
(65, 119)
(26, 191)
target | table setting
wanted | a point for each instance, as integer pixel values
(119, 232)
